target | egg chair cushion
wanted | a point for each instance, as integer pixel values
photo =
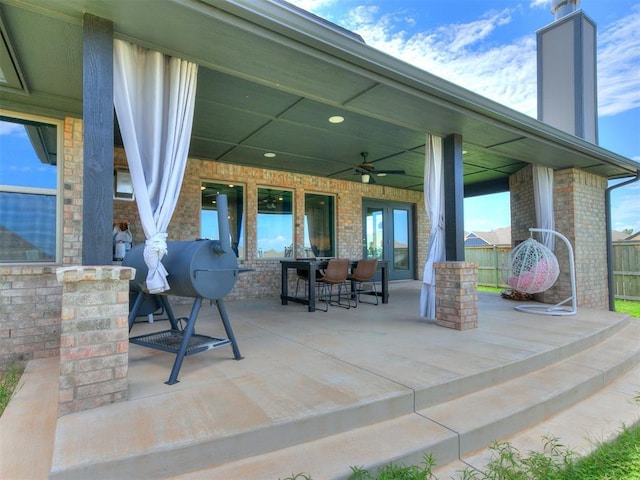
(531, 267)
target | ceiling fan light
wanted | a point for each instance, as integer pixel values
(365, 177)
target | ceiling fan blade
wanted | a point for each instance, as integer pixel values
(389, 172)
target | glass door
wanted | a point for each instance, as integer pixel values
(388, 235)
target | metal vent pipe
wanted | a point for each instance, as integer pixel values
(562, 8)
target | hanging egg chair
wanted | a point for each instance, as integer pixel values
(531, 267)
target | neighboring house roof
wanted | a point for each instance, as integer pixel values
(15, 248)
(502, 236)
(616, 236)
(499, 236)
(270, 76)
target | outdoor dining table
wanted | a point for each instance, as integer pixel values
(314, 265)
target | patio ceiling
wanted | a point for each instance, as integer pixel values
(270, 77)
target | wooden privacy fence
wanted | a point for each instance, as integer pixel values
(626, 267)
(490, 259)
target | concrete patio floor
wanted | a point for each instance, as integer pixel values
(306, 376)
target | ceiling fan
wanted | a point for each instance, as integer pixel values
(368, 171)
(270, 201)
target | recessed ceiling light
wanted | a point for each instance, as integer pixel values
(336, 119)
(464, 152)
(269, 154)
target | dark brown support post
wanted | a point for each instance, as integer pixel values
(453, 198)
(97, 106)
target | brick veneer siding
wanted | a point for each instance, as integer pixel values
(579, 212)
(579, 208)
(456, 295)
(264, 280)
(523, 209)
(30, 295)
(94, 343)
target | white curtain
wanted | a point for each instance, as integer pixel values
(154, 98)
(434, 205)
(543, 197)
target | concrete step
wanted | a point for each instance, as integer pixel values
(498, 412)
(28, 424)
(458, 427)
(580, 428)
(464, 385)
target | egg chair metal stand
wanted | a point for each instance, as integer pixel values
(558, 309)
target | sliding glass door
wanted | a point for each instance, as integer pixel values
(388, 235)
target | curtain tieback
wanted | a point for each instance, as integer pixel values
(158, 244)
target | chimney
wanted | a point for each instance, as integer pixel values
(567, 87)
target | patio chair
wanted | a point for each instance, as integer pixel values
(303, 274)
(335, 274)
(364, 273)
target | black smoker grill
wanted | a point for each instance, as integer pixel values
(200, 269)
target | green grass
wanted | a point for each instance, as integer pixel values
(482, 288)
(629, 307)
(622, 306)
(8, 382)
(619, 459)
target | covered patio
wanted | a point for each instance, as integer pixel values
(315, 392)
(319, 392)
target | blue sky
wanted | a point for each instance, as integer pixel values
(489, 47)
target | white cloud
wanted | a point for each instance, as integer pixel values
(540, 4)
(12, 129)
(312, 5)
(464, 54)
(456, 52)
(624, 207)
(618, 65)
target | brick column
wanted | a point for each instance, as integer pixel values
(456, 295)
(579, 213)
(94, 340)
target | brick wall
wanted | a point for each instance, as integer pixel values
(94, 340)
(30, 296)
(456, 295)
(579, 212)
(264, 281)
(523, 208)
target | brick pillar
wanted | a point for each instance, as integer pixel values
(456, 295)
(94, 340)
(579, 210)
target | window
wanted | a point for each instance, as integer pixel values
(29, 200)
(235, 213)
(275, 223)
(319, 225)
